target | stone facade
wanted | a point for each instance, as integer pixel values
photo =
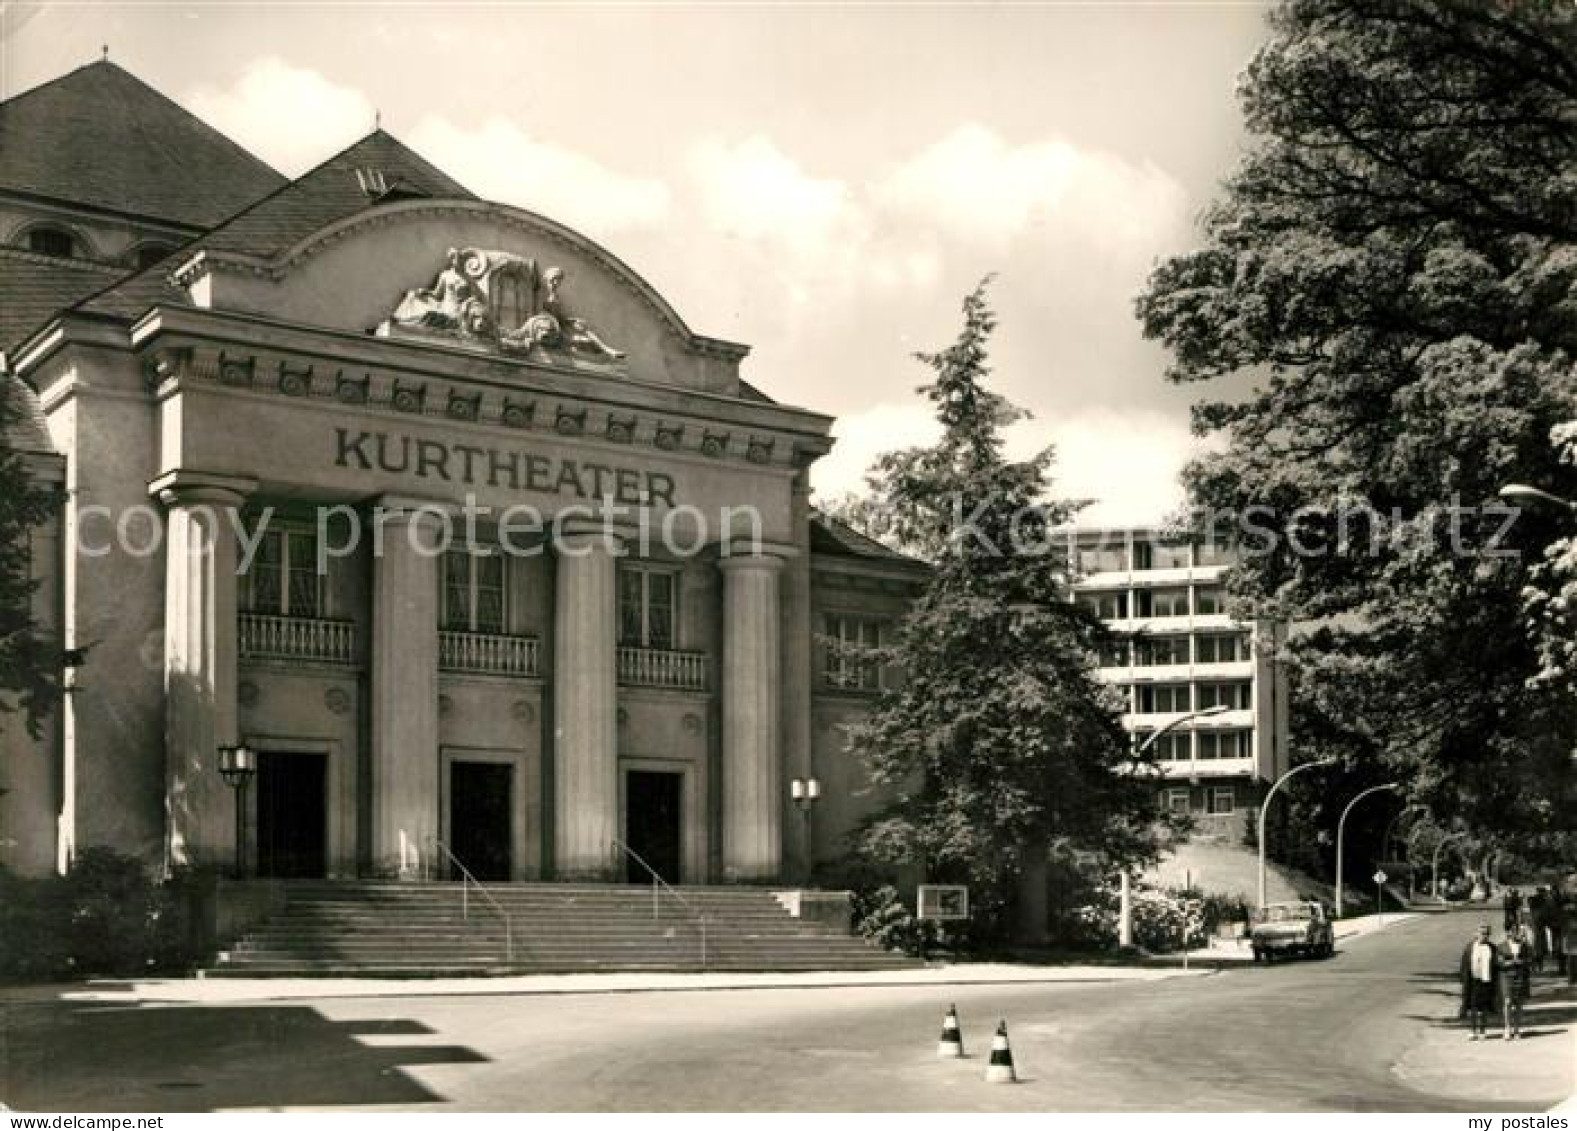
(625, 653)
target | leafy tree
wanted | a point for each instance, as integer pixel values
(1001, 741)
(1392, 267)
(29, 661)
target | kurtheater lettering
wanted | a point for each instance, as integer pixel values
(493, 467)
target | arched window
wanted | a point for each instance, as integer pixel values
(51, 241)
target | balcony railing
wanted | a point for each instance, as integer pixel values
(269, 637)
(654, 667)
(488, 653)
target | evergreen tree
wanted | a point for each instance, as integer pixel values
(1001, 740)
(29, 661)
(1393, 267)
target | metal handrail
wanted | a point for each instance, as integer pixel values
(466, 880)
(659, 885)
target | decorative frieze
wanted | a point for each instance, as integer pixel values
(463, 406)
(300, 379)
(294, 382)
(408, 398)
(349, 390)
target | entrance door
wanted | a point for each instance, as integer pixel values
(292, 815)
(652, 813)
(480, 830)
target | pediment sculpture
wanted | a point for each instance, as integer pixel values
(505, 301)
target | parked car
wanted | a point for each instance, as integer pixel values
(1292, 928)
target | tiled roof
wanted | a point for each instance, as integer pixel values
(330, 192)
(829, 535)
(101, 137)
(34, 288)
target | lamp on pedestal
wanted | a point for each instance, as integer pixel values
(237, 765)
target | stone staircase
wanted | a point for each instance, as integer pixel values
(402, 929)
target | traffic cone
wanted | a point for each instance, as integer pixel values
(1000, 1069)
(951, 1045)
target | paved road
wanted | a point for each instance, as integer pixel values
(1316, 1036)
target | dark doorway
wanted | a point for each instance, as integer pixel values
(480, 829)
(292, 815)
(652, 815)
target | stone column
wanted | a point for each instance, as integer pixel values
(199, 662)
(585, 707)
(752, 773)
(404, 701)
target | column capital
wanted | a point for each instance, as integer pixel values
(763, 555)
(184, 487)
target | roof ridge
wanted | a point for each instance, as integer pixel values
(123, 74)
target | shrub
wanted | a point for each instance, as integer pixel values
(105, 917)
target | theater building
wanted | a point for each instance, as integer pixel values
(431, 502)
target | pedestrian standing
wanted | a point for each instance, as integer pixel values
(1512, 910)
(1480, 969)
(1569, 940)
(1516, 979)
(1539, 916)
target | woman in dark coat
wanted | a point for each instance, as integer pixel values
(1516, 978)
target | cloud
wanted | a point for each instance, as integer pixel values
(1127, 463)
(291, 117)
(499, 161)
(806, 233)
(976, 186)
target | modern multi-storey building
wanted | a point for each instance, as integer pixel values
(1178, 652)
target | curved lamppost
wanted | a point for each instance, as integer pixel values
(1522, 493)
(1341, 830)
(1264, 808)
(1385, 839)
(1125, 881)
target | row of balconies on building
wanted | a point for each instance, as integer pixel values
(265, 636)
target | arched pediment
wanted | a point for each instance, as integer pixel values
(471, 275)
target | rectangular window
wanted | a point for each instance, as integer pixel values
(846, 670)
(648, 608)
(1222, 648)
(1113, 654)
(1102, 559)
(1177, 801)
(1106, 606)
(1173, 746)
(1154, 651)
(1210, 600)
(282, 578)
(475, 596)
(1222, 799)
(1163, 699)
(1217, 744)
(1237, 696)
(1162, 602)
(1161, 555)
(1214, 554)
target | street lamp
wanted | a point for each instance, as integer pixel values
(1125, 881)
(806, 792)
(1522, 493)
(1264, 808)
(1341, 830)
(1385, 840)
(237, 764)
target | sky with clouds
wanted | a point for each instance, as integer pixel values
(823, 182)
